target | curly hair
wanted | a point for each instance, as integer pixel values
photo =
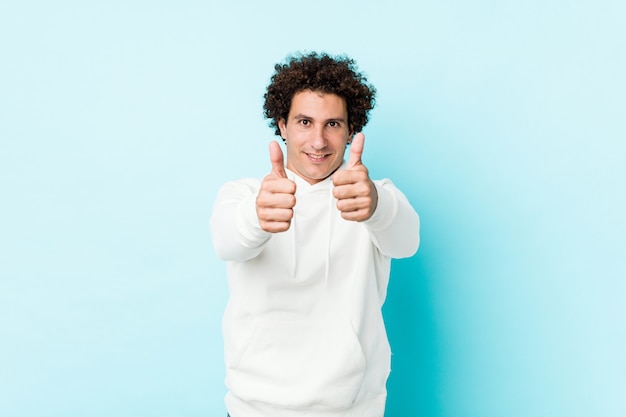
(320, 73)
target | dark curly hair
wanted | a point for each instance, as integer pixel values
(321, 73)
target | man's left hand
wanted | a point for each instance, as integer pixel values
(354, 190)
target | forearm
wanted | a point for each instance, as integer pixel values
(235, 229)
(394, 226)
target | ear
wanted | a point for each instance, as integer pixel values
(282, 125)
(350, 136)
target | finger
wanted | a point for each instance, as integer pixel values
(275, 215)
(287, 201)
(356, 215)
(272, 184)
(351, 204)
(356, 150)
(352, 176)
(276, 156)
(275, 227)
(350, 191)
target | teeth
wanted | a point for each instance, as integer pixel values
(316, 156)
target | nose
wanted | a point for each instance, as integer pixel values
(319, 138)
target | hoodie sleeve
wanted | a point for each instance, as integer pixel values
(394, 226)
(235, 229)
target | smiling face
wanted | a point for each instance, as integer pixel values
(316, 133)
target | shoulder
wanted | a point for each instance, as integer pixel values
(242, 185)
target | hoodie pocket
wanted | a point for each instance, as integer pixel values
(291, 364)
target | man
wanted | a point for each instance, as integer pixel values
(308, 250)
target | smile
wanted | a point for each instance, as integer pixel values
(317, 157)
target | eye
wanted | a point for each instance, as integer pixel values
(334, 123)
(305, 122)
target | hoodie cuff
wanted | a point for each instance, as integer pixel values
(248, 223)
(386, 207)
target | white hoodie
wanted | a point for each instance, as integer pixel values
(303, 329)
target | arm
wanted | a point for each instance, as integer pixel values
(235, 229)
(247, 212)
(394, 226)
(391, 221)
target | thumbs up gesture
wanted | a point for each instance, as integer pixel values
(355, 192)
(276, 198)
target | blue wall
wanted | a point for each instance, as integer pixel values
(502, 121)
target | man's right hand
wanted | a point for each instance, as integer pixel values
(277, 195)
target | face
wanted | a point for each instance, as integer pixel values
(316, 132)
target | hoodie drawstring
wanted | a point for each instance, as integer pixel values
(331, 202)
(294, 255)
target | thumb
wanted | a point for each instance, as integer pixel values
(356, 150)
(276, 156)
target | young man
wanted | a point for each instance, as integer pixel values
(308, 250)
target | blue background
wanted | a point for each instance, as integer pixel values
(502, 121)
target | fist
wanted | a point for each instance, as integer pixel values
(277, 195)
(355, 192)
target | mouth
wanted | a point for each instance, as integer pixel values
(317, 157)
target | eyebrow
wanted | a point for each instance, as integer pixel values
(304, 116)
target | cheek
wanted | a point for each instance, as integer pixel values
(341, 144)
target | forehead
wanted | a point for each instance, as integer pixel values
(319, 105)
